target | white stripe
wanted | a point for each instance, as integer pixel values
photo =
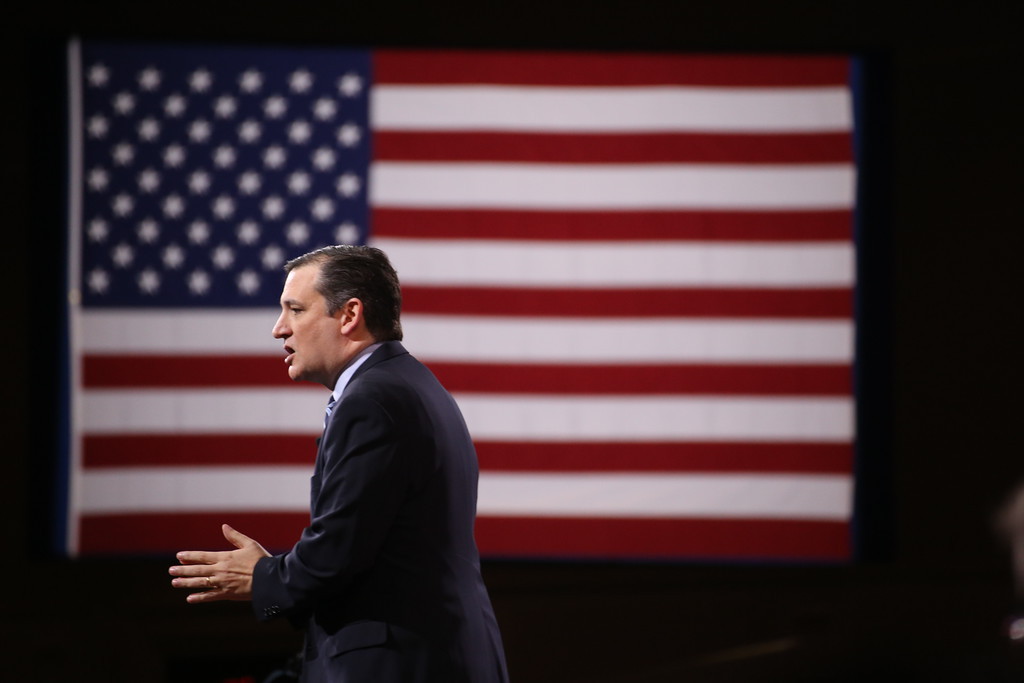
(181, 332)
(295, 410)
(626, 341)
(492, 417)
(179, 489)
(603, 264)
(610, 109)
(662, 418)
(610, 186)
(492, 339)
(666, 495)
(822, 497)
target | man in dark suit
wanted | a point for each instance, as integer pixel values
(386, 578)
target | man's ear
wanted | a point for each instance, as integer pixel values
(350, 316)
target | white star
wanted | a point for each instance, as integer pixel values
(173, 206)
(124, 103)
(225, 106)
(98, 75)
(322, 209)
(149, 281)
(347, 233)
(123, 154)
(223, 257)
(199, 130)
(149, 129)
(349, 184)
(99, 281)
(249, 182)
(97, 126)
(299, 182)
(200, 80)
(299, 131)
(122, 255)
(223, 207)
(297, 232)
(122, 205)
(198, 232)
(325, 108)
(98, 179)
(173, 256)
(248, 232)
(300, 80)
(199, 182)
(149, 181)
(274, 107)
(174, 105)
(273, 207)
(272, 257)
(351, 84)
(250, 131)
(199, 282)
(349, 135)
(324, 158)
(274, 156)
(174, 155)
(148, 231)
(250, 81)
(98, 230)
(224, 156)
(248, 282)
(149, 79)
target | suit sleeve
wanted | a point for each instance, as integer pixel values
(363, 481)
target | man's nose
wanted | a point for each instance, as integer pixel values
(280, 330)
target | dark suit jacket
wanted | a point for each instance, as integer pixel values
(386, 578)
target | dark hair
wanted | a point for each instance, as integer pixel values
(365, 273)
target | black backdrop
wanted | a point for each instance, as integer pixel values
(940, 447)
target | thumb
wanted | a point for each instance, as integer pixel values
(237, 539)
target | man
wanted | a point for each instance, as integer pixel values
(386, 577)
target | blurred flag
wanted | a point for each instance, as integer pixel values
(635, 273)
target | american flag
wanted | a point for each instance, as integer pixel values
(635, 272)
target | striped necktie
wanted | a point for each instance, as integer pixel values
(330, 409)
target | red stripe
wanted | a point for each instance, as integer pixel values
(609, 69)
(612, 148)
(573, 538)
(762, 226)
(165, 534)
(640, 303)
(187, 450)
(105, 371)
(759, 380)
(805, 458)
(764, 380)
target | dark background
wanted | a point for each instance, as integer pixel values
(940, 448)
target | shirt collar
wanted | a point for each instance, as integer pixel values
(351, 368)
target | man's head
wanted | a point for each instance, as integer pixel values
(336, 301)
(364, 273)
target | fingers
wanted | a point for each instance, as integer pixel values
(243, 542)
(237, 539)
(200, 557)
(205, 582)
(208, 596)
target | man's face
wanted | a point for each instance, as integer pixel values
(312, 338)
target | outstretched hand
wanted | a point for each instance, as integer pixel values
(223, 575)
